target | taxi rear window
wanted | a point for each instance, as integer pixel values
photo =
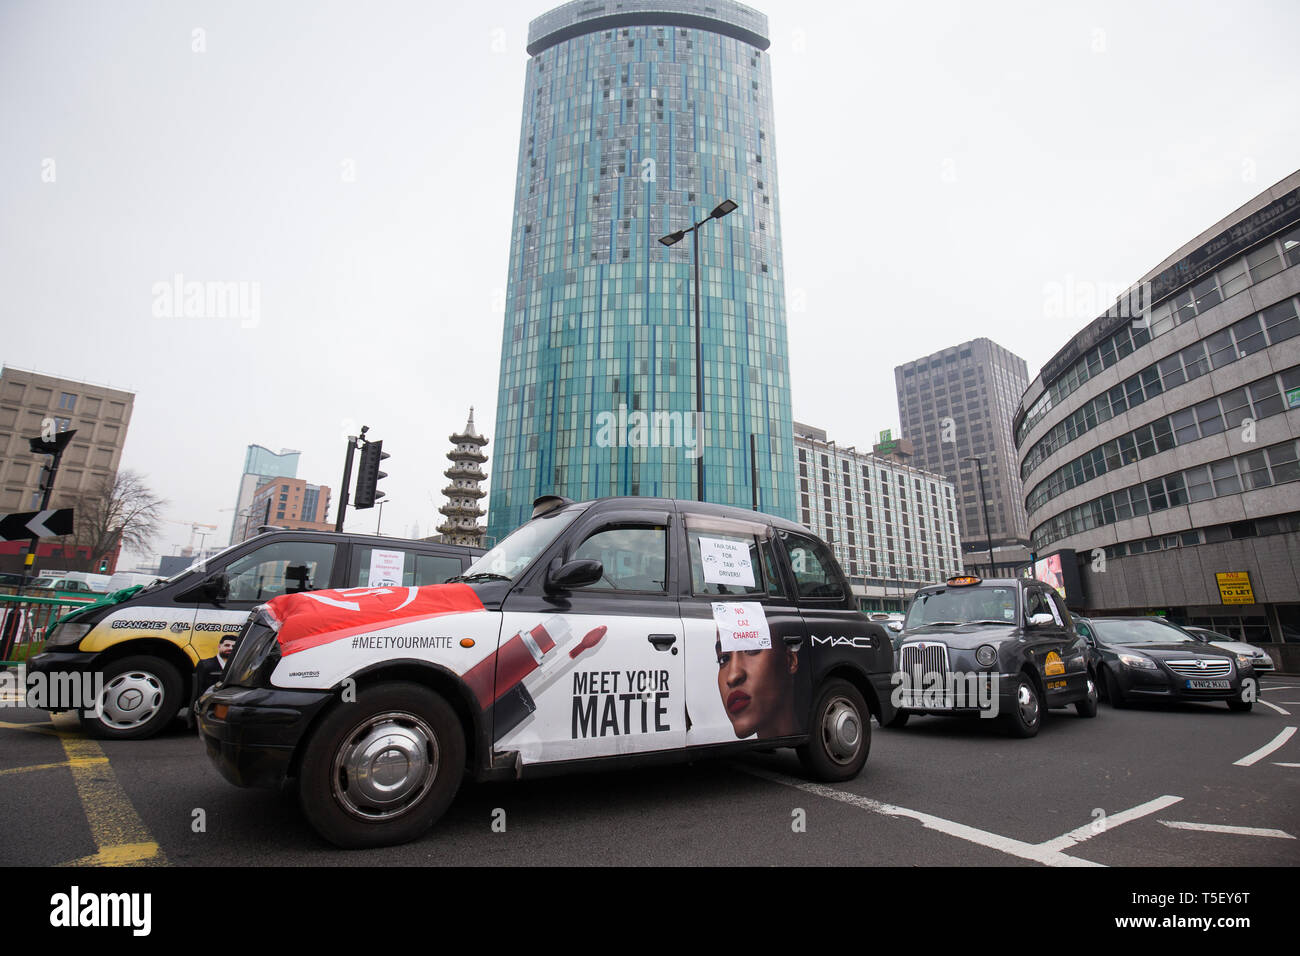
(731, 557)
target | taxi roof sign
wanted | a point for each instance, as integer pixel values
(963, 580)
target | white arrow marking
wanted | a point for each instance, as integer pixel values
(1265, 750)
(1087, 831)
(1222, 828)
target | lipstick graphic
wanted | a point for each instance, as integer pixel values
(527, 664)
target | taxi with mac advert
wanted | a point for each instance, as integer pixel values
(998, 647)
(623, 629)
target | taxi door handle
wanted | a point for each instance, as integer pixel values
(793, 641)
(663, 641)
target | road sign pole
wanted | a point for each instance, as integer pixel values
(52, 469)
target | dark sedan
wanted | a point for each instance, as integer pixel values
(1147, 658)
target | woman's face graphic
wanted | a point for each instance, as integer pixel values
(757, 689)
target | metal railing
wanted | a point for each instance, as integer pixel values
(25, 620)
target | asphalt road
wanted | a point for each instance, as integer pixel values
(1134, 787)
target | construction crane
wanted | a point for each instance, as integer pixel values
(195, 527)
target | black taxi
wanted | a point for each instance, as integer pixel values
(151, 650)
(997, 647)
(622, 629)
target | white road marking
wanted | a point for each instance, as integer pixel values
(1222, 828)
(1027, 851)
(1265, 750)
(1279, 764)
(1284, 713)
(1112, 820)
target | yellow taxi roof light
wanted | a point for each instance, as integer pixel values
(963, 580)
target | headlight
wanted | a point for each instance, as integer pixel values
(256, 655)
(66, 635)
(1136, 660)
(1245, 660)
(987, 655)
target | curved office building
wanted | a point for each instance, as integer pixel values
(1160, 444)
(640, 117)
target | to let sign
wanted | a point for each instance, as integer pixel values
(1234, 587)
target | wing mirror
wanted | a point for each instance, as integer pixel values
(575, 574)
(1040, 620)
(215, 588)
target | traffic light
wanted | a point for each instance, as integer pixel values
(103, 565)
(372, 453)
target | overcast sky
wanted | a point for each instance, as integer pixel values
(946, 171)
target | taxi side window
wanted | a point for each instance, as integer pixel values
(280, 568)
(727, 563)
(634, 558)
(1035, 603)
(775, 587)
(814, 568)
(394, 567)
(1059, 611)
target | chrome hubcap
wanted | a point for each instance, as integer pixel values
(842, 730)
(129, 700)
(1027, 701)
(385, 766)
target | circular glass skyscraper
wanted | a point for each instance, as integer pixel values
(640, 117)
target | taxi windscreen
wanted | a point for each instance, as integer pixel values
(986, 604)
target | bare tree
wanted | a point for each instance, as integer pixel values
(117, 510)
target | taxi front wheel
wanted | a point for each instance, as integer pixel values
(139, 698)
(380, 771)
(1026, 708)
(840, 737)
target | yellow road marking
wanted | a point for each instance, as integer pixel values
(84, 761)
(119, 834)
(44, 727)
(124, 855)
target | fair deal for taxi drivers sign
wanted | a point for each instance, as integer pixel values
(726, 562)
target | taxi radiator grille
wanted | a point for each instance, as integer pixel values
(918, 662)
(1215, 668)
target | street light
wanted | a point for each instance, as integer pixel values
(381, 503)
(984, 503)
(672, 239)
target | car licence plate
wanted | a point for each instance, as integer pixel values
(1208, 685)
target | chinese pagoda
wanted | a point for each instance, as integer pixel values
(463, 494)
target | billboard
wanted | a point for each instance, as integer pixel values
(1060, 571)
